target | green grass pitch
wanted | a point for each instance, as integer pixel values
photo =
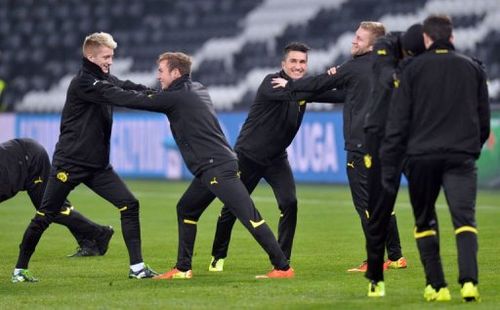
(328, 242)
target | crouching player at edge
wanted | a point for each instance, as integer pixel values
(207, 154)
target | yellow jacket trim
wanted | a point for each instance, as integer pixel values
(190, 222)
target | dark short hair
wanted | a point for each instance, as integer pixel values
(438, 27)
(295, 47)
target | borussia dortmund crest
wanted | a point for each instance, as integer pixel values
(62, 176)
(368, 161)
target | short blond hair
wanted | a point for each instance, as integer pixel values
(177, 60)
(96, 40)
(377, 29)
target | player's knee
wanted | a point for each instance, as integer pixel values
(288, 204)
(129, 208)
(40, 223)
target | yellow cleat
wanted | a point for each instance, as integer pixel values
(430, 294)
(376, 289)
(469, 292)
(216, 265)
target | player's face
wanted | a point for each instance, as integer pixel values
(165, 76)
(103, 57)
(295, 64)
(362, 42)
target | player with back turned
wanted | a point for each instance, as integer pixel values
(439, 120)
(389, 51)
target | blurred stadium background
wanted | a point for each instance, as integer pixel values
(235, 43)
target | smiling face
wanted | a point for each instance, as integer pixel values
(165, 76)
(362, 42)
(102, 56)
(295, 64)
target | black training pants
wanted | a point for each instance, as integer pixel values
(381, 224)
(457, 174)
(222, 182)
(36, 181)
(357, 174)
(106, 183)
(280, 177)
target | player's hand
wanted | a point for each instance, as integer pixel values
(332, 70)
(279, 82)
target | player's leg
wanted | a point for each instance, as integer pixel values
(107, 184)
(192, 204)
(93, 239)
(379, 210)
(279, 175)
(460, 188)
(59, 185)
(358, 183)
(424, 183)
(224, 182)
(250, 175)
(84, 230)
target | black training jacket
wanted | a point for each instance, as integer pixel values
(192, 118)
(15, 164)
(440, 107)
(386, 53)
(354, 77)
(86, 120)
(274, 119)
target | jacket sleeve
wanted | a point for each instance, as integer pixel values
(155, 102)
(483, 108)
(303, 91)
(394, 144)
(330, 96)
(128, 85)
(266, 92)
(322, 82)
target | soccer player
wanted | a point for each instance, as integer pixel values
(439, 120)
(82, 156)
(389, 51)
(272, 123)
(25, 166)
(355, 78)
(208, 156)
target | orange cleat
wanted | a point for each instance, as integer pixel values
(361, 268)
(174, 274)
(277, 274)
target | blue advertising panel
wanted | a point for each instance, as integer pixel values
(142, 145)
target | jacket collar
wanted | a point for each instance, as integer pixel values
(93, 69)
(361, 55)
(282, 74)
(177, 83)
(442, 45)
